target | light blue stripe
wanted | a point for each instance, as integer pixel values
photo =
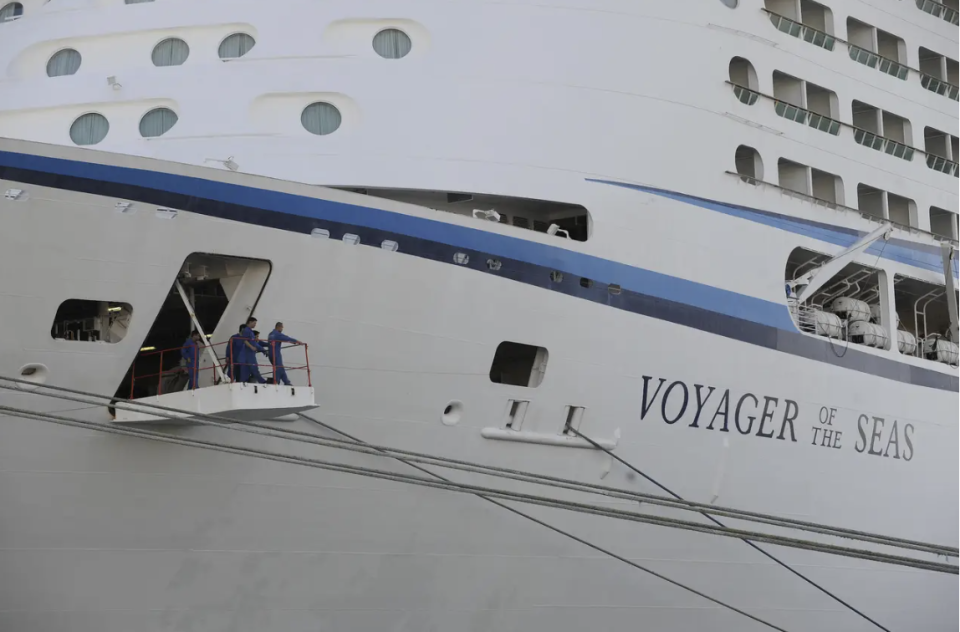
(926, 257)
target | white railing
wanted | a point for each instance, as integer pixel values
(802, 31)
(940, 10)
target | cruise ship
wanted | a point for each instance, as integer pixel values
(702, 250)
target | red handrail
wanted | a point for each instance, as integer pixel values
(227, 364)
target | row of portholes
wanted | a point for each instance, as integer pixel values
(173, 51)
(91, 128)
(460, 258)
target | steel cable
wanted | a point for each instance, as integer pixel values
(376, 450)
(497, 493)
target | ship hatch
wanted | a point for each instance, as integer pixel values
(223, 292)
(212, 295)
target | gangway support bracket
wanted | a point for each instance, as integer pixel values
(203, 335)
(818, 277)
(243, 402)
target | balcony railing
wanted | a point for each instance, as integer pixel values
(816, 121)
(940, 10)
(831, 126)
(873, 60)
(933, 84)
(745, 95)
(802, 31)
(943, 165)
(880, 143)
(841, 207)
(869, 58)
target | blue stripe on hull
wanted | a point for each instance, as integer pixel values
(899, 250)
(631, 278)
(675, 300)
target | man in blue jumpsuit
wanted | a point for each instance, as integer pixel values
(235, 354)
(250, 348)
(254, 365)
(190, 353)
(277, 338)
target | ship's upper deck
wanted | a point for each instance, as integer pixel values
(847, 103)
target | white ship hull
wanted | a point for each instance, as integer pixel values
(704, 148)
(106, 533)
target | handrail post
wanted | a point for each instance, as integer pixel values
(306, 356)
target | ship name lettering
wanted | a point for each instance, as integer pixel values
(880, 438)
(748, 409)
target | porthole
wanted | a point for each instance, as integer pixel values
(320, 118)
(585, 282)
(452, 413)
(494, 264)
(236, 46)
(34, 373)
(11, 12)
(63, 63)
(170, 52)
(730, 4)
(556, 276)
(461, 258)
(157, 122)
(89, 129)
(392, 44)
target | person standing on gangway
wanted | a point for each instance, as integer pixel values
(190, 353)
(235, 355)
(276, 340)
(250, 348)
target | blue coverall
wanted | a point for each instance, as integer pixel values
(235, 357)
(277, 339)
(248, 359)
(189, 353)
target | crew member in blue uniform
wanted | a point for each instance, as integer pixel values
(254, 365)
(250, 348)
(235, 354)
(190, 353)
(276, 339)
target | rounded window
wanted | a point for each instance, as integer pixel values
(157, 122)
(749, 164)
(10, 12)
(730, 4)
(320, 119)
(236, 45)
(170, 52)
(392, 44)
(64, 62)
(89, 129)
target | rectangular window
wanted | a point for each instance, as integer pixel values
(84, 320)
(518, 364)
(943, 222)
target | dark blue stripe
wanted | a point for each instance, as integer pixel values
(631, 278)
(439, 242)
(899, 250)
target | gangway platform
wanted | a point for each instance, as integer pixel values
(243, 402)
(216, 389)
